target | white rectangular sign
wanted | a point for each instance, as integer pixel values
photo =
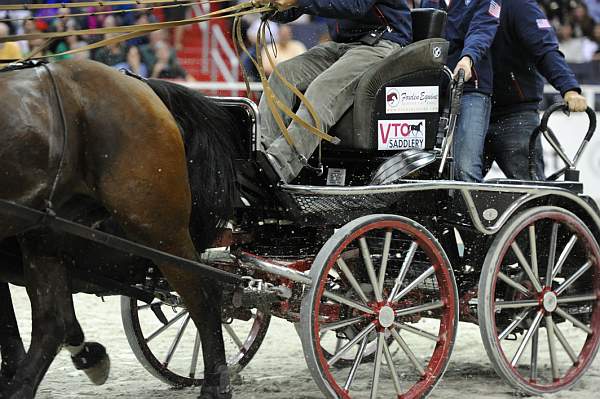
(400, 134)
(411, 99)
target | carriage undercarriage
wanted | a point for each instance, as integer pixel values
(377, 297)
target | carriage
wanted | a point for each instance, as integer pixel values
(375, 253)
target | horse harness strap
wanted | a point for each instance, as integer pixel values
(65, 137)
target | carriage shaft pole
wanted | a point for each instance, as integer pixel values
(42, 219)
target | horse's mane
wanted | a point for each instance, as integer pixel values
(209, 132)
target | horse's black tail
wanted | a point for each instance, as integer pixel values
(208, 131)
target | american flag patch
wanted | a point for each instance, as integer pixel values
(494, 9)
(543, 23)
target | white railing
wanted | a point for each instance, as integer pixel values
(213, 43)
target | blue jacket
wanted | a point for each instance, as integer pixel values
(470, 31)
(349, 20)
(525, 45)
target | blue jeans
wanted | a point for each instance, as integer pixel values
(507, 143)
(469, 137)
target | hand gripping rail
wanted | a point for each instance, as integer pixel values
(555, 144)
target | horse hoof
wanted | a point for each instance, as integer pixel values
(217, 385)
(93, 361)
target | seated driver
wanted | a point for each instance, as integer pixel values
(363, 32)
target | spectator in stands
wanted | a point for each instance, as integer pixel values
(134, 63)
(251, 33)
(285, 48)
(363, 33)
(573, 47)
(596, 37)
(470, 29)
(112, 54)
(167, 67)
(177, 14)
(148, 51)
(8, 51)
(525, 44)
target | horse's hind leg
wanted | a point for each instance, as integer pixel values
(12, 350)
(153, 205)
(52, 313)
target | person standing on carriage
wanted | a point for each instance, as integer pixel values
(470, 30)
(525, 47)
(363, 32)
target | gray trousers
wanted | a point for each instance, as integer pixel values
(328, 75)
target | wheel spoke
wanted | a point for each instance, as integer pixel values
(525, 265)
(233, 335)
(511, 327)
(574, 277)
(408, 352)
(533, 251)
(176, 341)
(348, 302)
(420, 308)
(350, 277)
(551, 347)
(573, 320)
(195, 353)
(357, 361)
(527, 303)
(366, 254)
(512, 283)
(377, 366)
(384, 258)
(565, 344)
(534, 356)
(417, 331)
(159, 330)
(353, 341)
(577, 298)
(342, 323)
(563, 256)
(410, 254)
(390, 363)
(415, 283)
(551, 254)
(534, 326)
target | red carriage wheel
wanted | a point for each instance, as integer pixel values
(380, 283)
(538, 300)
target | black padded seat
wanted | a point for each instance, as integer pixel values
(418, 64)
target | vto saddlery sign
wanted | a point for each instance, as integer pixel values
(400, 134)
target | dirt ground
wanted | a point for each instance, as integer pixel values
(277, 371)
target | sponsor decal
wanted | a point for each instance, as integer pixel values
(543, 23)
(400, 134)
(411, 99)
(437, 52)
(494, 9)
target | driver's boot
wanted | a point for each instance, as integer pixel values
(217, 385)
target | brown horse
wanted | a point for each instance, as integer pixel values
(121, 142)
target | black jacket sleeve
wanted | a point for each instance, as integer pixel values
(537, 35)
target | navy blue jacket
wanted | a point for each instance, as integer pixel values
(470, 31)
(525, 45)
(349, 20)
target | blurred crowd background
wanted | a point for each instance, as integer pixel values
(169, 53)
